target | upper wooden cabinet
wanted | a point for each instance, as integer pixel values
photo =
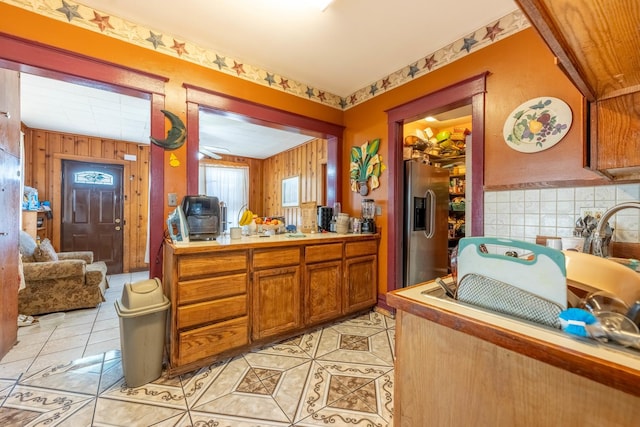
(598, 44)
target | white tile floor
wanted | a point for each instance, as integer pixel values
(71, 375)
(83, 333)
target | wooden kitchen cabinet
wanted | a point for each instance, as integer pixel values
(323, 283)
(228, 298)
(209, 305)
(598, 51)
(276, 302)
(360, 276)
(276, 291)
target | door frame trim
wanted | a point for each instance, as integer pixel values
(56, 210)
(469, 91)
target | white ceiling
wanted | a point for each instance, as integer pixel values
(341, 50)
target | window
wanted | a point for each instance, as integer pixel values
(230, 184)
(93, 177)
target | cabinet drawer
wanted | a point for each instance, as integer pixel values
(211, 311)
(317, 253)
(367, 247)
(269, 258)
(210, 263)
(212, 339)
(211, 288)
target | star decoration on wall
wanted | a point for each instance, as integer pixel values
(413, 70)
(430, 62)
(270, 79)
(353, 99)
(468, 43)
(69, 11)
(179, 48)
(385, 83)
(238, 67)
(284, 83)
(101, 21)
(343, 103)
(373, 89)
(310, 92)
(155, 40)
(493, 31)
(321, 96)
(220, 62)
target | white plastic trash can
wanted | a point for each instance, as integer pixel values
(143, 318)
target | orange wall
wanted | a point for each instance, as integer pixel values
(27, 25)
(521, 67)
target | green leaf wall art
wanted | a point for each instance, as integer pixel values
(366, 164)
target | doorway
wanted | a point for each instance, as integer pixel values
(470, 91)
(92, 213)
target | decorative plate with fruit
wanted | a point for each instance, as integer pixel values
(537, 124)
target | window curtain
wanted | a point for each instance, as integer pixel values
(230, 184)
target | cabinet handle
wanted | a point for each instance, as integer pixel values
(6, 114)
(3, 233)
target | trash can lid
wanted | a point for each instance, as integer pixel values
(142, 294)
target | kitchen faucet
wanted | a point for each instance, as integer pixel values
(599, 248)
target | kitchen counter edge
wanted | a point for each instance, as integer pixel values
(278, 240)
(616, 368)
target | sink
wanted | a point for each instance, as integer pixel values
(601, 273)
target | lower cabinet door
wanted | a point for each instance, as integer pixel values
(361, 285)
(323, 291)
(276, 301)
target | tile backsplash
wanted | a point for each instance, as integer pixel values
(524, 214)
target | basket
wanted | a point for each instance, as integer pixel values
(501, 297)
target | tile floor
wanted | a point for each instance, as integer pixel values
(71, 375)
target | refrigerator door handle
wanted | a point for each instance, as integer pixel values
(430, 221)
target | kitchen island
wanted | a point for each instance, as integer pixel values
(457, 365)
(231, 295)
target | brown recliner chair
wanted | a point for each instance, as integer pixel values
(58, 281)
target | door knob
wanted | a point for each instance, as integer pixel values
(6, 114)
(117, 221)
(118, 228)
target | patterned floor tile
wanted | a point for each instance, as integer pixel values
(270, 392)
(112, 412)
(355, 344)
(81, 376)
(371, 318)
(45, 406)
(340, 374)
(345, 394)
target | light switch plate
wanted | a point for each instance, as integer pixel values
(378, 210)
(172, 199)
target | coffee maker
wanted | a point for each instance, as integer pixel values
(368, 212)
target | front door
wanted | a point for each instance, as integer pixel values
(92, 211)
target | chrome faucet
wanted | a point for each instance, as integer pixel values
(599, 247)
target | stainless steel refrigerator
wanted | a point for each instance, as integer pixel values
(426, 210)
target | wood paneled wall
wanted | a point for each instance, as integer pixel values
(44, 152)
(307, 161)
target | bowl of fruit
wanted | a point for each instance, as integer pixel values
(270, 225)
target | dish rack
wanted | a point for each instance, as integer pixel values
(494, 295)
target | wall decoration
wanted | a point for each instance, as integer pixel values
(366, 164)
(537, 124)
(149, 38)
(175, 136)
(291, 191)
(173, 161)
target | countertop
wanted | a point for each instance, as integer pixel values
(286, 239)
(608, 364)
